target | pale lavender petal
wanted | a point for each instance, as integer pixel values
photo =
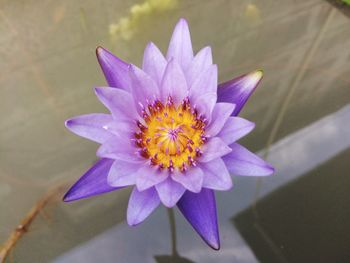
(93, 182)
(207, 82)
(148, 176)
(213, 149)
(170, 192)
(216, 175)
(154, 62)
(123, 173)
(192, 179)
(238, 90)
(200, 211)
(243, 162)
(118, 101)
(114, 69)
(234, 129)
(201, 62)
(141, 205)
(121, 127)
(174, 82)
(220, 114)
(119, 148)
(205, 103)
(180, 46)
(144, 88)
(91, 126)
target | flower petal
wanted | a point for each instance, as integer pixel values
(154, 62)
(216, 175)
(174, 82)
(180, 46)
(144, 88)
(123, 173)
(201, 62)
(207, 82)
(93, 182)
(234, 129)
(119, 148)
(243, 162)
(192, 179)
(118, 101)
(141, 205)
(221, 113)
(170, 192)
(148, 176)
(238, 90)
(200, 211)
(114, 69)
(205, 103)
(213, 149)
(91, 126)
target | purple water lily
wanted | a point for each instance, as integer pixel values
(171, 133)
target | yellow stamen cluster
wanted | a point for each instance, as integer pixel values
(171, 136)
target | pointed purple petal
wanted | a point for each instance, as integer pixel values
(205, 104)
(192, 180)
(234, 129)
(200, 211)
(114, 69)
(180, 46)
(118, 101)
(221, 113)
(213, 149)
(123, 173)
(201, 62)
(154, 63)
(141, 205)
(216, 175)
(91, 126)
(243, 162)
(144, 88)
(93, 182)
(207, 82)
(174, 83)
(238, 90)
(170, 192)
(119, 148)
(148, 176)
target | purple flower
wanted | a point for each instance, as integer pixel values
(171, 133)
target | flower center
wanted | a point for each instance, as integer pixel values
(171, 136)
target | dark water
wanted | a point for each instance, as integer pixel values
(302, 111)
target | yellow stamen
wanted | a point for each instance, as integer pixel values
(171, 136)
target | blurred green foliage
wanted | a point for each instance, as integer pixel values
(346, 2)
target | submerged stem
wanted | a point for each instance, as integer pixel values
(173, 231)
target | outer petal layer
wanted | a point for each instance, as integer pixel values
(141, 205)
(221, 113)
(243, 162)
(234, 129)
(238, 90)
(170, 192)
(216, 175)
(114, 69)
(93, 182)
(213, 149)
(201, 62)
(191, 180)
(122, 173)
(200, 211)
(118, 101)
(91, 126)
(154, 62)
(180, 46)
